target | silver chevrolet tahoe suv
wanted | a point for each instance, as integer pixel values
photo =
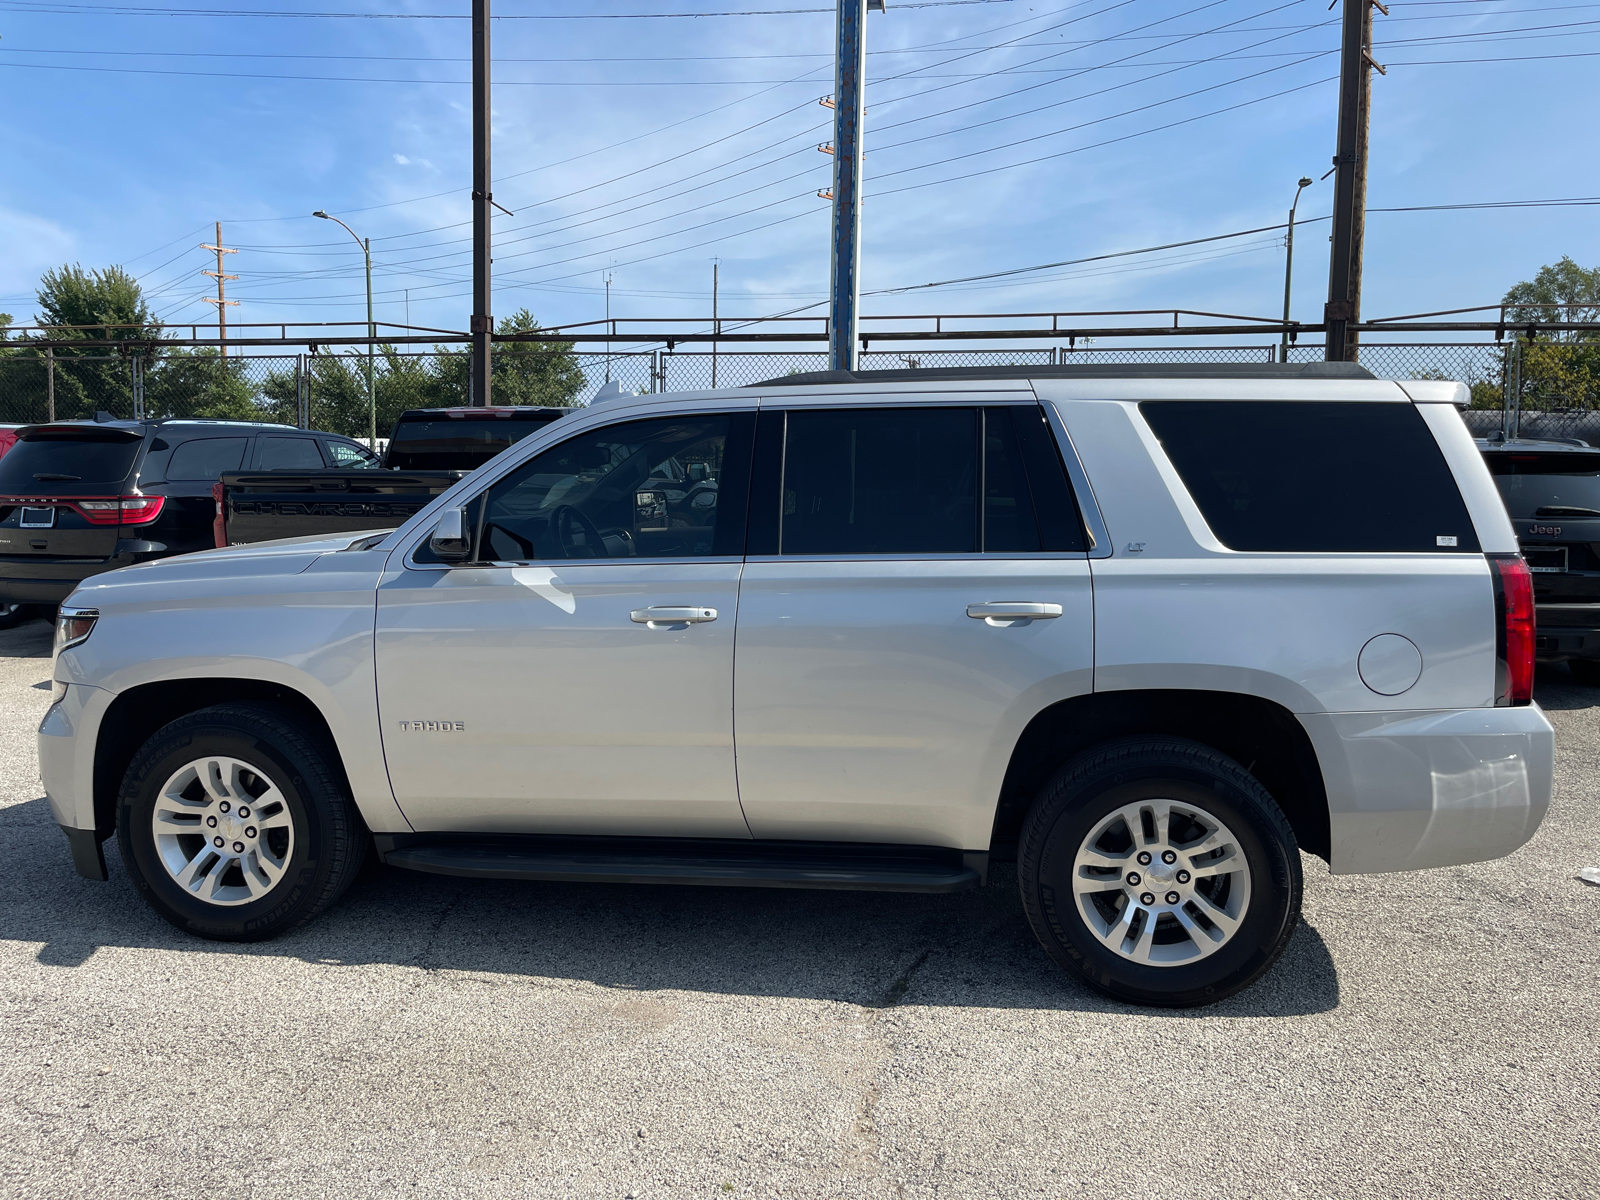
(1149, 633)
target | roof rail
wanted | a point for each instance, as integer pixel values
(1312, 370)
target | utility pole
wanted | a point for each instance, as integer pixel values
(716, 328)
(221, 300)
(482, 321)
(844, 282)
(1350, 181)
(372, 330)
(1288, 267)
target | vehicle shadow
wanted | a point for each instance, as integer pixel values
(973, 949)
(1555, 688)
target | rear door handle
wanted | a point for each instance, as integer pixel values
(1012, 612)
(662, 616)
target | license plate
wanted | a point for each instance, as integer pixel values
(37, 518)
(1546, 560)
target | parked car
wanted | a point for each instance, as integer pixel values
(1552, 491)
(1147, 632)
(429, 450)
(81, 497)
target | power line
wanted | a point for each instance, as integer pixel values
(128, 10)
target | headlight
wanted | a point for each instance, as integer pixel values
(74, 625)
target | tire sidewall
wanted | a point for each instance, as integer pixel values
(1053, 906)
(303, 878)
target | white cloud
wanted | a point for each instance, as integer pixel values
(402, 160)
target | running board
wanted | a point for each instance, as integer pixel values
(693, 863)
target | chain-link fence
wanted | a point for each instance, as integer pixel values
(1540, 389)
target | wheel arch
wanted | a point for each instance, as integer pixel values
(1262, 736)
(136, 714)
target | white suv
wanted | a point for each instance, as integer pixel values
(1150, 633)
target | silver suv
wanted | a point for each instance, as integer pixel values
(1150, 634)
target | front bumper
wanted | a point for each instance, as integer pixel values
(1408, 790)
(66, 768)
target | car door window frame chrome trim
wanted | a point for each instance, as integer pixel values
(1094, 523)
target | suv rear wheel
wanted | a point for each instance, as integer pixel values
(235, 824)
(1161, 872)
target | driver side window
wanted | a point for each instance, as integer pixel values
(640, 489)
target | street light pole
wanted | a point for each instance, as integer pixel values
(372, 330)
(1288, 268)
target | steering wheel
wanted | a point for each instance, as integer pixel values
(562, 522)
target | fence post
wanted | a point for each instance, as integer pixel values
(1514, 389)
(302, 393)
(138, 386)
(50, 383)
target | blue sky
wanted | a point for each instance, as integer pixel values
(1001, 134)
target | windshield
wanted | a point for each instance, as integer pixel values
(456, 443)
(1548, 483)
(60, 466)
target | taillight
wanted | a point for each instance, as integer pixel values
(1514, 629)
(123, 510)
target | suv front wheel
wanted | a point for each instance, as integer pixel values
(235, 824)
(1160, 872)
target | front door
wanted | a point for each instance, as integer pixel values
(928, 593)
(576, 677)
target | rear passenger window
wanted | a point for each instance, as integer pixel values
(206, 458)
(1314, 476)
(1008, 521)
(289, 453)
(880, 481)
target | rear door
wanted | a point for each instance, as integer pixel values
(917, 589)
(191, 468)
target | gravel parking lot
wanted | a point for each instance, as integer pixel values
(1431, 1034)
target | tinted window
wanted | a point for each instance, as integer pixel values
(1328, 476)
(1008, 520)
(206, 458)
(640, 489)
(1547, 484)
(30, 465)
(289, 453)
(880, 481)
(457, 443)
(349, 455)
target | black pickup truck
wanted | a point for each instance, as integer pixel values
(429, 450)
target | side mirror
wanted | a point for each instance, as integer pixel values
(450, 541)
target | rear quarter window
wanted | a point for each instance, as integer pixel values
(1314, 475)
(206, 458)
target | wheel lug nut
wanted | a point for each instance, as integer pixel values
(212, 822)
(1167, 856)
(1133, 879)
(244, 811)
(1173, 897)
(1147, 899)
(238, 847)
(216, 842)
(1183, 877)
(1144, 858)
(223, 807)
(250, 831)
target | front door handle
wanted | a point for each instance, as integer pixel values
(1012, 612)
(663, 616)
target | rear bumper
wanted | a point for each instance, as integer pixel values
(49, 581)
(1408, 790)
(1567, 631)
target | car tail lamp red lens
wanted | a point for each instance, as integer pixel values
(121, 510)
(1514, 629)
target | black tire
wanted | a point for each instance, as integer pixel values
(1097, 784)
(12, 615)
(1585, 671)
(322, 852)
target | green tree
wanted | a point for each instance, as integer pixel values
(103, 305)
(200, 383)
(1560, 368)
(541, 373)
